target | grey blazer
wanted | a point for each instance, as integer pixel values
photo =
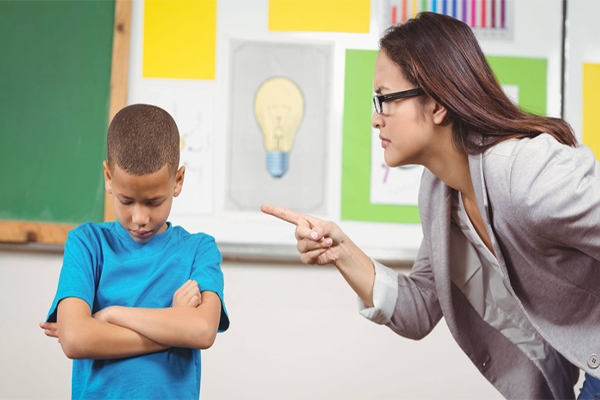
(540, 202)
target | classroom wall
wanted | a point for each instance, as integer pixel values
(295, 334)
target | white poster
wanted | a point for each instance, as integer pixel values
(193, 113)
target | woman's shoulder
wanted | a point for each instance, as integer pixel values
(536, 170)
(525, 160)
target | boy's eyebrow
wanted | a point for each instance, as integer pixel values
(157, 198)
(131, 198)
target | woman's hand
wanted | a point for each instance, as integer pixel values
(323, 242)
(188, 295)
(318, 241)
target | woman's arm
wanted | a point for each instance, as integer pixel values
(407, 304)
(323, 242)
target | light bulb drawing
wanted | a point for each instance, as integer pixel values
(279, 110)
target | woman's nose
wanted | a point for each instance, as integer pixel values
(377, 120)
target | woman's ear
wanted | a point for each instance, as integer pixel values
(107, 177)
(439, 114)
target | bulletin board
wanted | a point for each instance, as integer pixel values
(328, 53)
(210, 62)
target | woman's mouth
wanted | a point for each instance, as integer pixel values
(384, 141)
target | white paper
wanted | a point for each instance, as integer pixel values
(396, 186)
(193, 113)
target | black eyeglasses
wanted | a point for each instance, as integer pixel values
(379, 100)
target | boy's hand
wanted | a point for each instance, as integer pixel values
(102, 315)
(50, 329)
(188, 295)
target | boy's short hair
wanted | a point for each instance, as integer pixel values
(141, 139)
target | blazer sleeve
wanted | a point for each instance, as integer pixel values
(408, 305)
(417, 309)
(555, 193)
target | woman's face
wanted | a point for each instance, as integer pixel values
(403, 124)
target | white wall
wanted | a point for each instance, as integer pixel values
(295, 331)
(295, 334)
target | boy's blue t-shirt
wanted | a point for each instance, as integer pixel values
(105, 267)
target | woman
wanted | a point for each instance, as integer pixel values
(510, 210)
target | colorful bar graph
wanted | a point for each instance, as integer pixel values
(484, 16)
(483, 13)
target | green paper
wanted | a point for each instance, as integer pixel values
(528, 74)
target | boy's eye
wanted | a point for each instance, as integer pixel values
(126, 203)
(156, 204)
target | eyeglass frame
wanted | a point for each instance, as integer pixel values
(378, 100)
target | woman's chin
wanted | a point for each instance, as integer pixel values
(392, 162)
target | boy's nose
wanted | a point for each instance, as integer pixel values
(140, 217)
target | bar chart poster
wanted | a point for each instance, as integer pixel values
(489, 19)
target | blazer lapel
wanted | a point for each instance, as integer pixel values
(478, 180)
(440, 252)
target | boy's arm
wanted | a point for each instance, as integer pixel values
(82, 336)
(192, 327)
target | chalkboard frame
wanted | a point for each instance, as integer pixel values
(12, 231)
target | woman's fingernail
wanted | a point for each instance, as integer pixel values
(314, 235)
(328, 242)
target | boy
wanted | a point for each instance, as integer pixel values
(138, 298)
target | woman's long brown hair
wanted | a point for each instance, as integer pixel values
(441, 55)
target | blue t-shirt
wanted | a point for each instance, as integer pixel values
(104, 266)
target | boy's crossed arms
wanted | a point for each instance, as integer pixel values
(117, 332)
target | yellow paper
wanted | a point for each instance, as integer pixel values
(319, 15)
(180, 39)
(591, 107)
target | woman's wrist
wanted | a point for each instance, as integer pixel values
(351, 256)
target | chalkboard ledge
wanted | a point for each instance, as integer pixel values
(244, 252)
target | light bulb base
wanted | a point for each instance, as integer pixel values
(277, 163)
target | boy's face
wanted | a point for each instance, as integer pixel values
(143, 203)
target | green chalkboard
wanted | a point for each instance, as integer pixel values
(55, 65)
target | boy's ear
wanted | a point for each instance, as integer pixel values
(179, 175)
(107, 177)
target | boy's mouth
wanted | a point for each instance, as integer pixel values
(141, 234)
